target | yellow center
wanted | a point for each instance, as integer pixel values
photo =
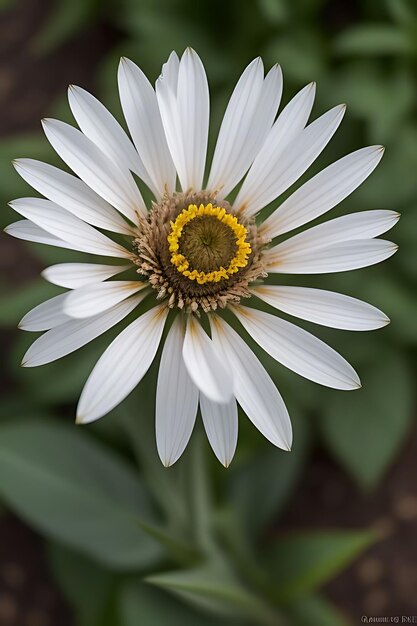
(242, 248)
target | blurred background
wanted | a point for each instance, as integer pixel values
(321, 536)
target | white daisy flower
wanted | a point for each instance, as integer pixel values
(197, 252)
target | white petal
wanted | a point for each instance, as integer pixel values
(73, 334)
(176, 399)
(58, 222)
(252, 386)
(221, 424)
(73, 275)
(28, 231)
(340, 257)
(46, 315)
(324, 191)
(185, 116)
(93, 299)
(141, 111)
(298, 350)
(323, 307)
(72, 194)
(170, 71)
(290, 122)
(99, 125)
(115, 185)
(122, 366)
(272, 174)
(363, 225)
(247, 120)
(204, 365)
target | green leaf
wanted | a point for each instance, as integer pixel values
(85, 585)
(365, 428)
(76, 491)
(142, 604)
(256, 505)
(374, 39)
(302, 562)
(212, 588)
(180, 550)
(313, 610)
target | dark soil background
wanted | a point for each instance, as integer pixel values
(382, 583)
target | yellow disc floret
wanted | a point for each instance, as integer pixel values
(241, 252)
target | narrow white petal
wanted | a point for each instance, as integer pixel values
(272, 174)
(184, 108)
(115, 185)
(242, 129)
(99, 125)
(72, 194)
(93, 299)
(194, 113)
(323, 307)
(298, 350)
(170, 71)
(74, 275)
(168, 107)
(204, 365)
(73, 334)
(28, 231)
(362, 225)
(252, 386)
(58, 222)
(340, 257)
(288, 125)
(324, 191)
(122, 366)
(176, 399)
(46, 315)
(221, 424)
(141, 111)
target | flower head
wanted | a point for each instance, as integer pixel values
(195, 251)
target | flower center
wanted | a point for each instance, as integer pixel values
(207, 244)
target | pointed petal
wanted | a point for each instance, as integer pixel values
(272, 174)
(74, 275)
(61, 224)
(323, 192)
(185, 116)
(298, 350)
(323, 307)
(142, 115)
(246, 123)
(99, 125)
(362, 225)
(122, 366)
(340, 257)
(115, 185)
(28, 231)
(252, 386)
(204, 365)
(92, 299)
(46, 315)
(221, 424)
(176, 399)
(73, 334)
(72, 194)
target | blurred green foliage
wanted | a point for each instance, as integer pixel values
(180, 546)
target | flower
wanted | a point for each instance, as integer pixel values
(198, 256)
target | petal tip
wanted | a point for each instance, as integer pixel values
(80, 420)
